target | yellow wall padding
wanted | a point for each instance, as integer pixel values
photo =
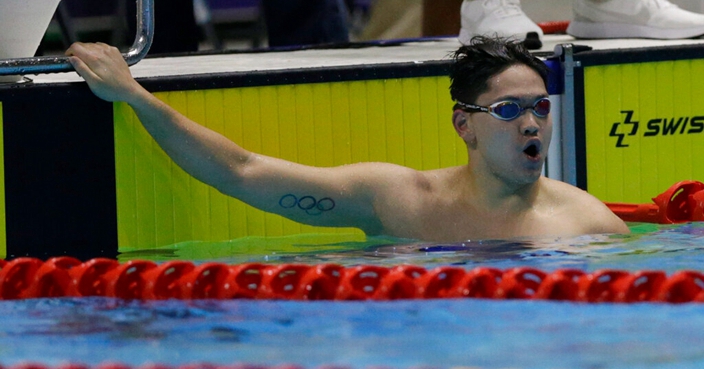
(402, 121)
(3, 229)
(667, 100)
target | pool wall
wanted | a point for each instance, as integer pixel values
(59, 172)
(643, 119)
(83, 177)
(405, 121)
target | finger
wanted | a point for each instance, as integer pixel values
(82, 69)
(76, 47)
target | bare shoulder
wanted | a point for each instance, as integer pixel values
(595, 216)
(379, 174)
(387, 184)
(400, 189)
(401, 195)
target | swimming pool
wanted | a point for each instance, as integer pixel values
(399, 334)
(78, 211)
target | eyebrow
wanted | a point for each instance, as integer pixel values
(520, 99)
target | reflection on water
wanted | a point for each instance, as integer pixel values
(401, 334)
(649, 246)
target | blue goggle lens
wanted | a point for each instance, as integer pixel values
(507, 110)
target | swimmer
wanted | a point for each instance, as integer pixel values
(502, 113)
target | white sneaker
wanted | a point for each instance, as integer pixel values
(633, 19)
(502, 18)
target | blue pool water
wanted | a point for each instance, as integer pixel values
(397, 334)
(661, 247)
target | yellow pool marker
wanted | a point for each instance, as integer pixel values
(644, 128)
(402, 121)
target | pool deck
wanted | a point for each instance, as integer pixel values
(389, 52)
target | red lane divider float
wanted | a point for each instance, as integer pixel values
(682, 202)
(24, 278)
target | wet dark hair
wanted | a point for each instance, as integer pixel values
(484, 57)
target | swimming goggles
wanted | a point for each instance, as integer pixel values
(509, 110)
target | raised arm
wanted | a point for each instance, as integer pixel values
(339, 196)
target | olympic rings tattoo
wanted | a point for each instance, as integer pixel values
(307, 203)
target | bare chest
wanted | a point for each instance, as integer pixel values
(457, 223)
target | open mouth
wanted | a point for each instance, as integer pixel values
(532, 150)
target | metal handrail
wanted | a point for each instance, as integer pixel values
(55, 64)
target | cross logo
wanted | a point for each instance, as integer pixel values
(615, 128)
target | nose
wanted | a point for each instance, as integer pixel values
(529, 126)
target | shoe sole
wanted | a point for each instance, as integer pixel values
(610, 30)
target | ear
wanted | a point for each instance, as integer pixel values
(462, 126)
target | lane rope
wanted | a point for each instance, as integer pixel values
(682, 202)
(65, 276)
